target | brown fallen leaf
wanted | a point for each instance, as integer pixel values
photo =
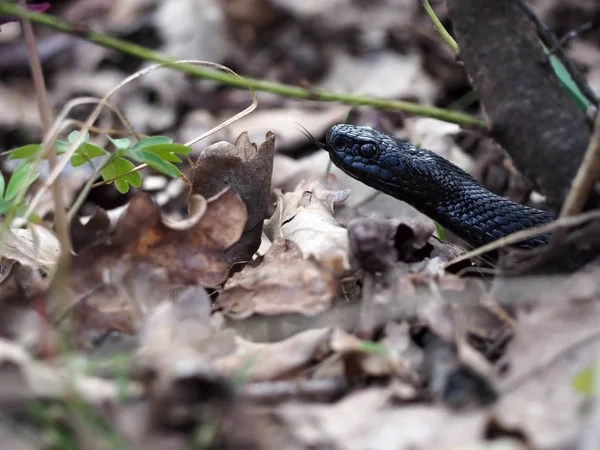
(377, 244)
(271, 361)
(191, 251)
(305, 216)
(95, 229)
(120, 307)
(283, 283)
(247, 169)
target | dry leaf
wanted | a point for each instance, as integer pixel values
(191, 251)
(555, 340)
(35, 246)
(305, 216)
(96, 228)
(247, 169)
(260, 362)
(377, 244)
(283, 283)
(368, 419)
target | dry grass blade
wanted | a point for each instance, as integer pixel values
(229, 121)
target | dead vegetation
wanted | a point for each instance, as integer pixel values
(272, 303)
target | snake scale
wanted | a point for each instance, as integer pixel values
(431, 184)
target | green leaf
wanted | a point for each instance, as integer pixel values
(25, 152)
(152, 140)
(567, 81)
(170, 148)
(158, 163)
(2, 185)
(61, 147)
(89, 150)
(584, 380)
(21, 178)
(164, 154)
(120, 144)
(73, 135)
(117, 168)
(440, 232)
(4, 206)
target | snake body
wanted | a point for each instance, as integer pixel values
(431, 184)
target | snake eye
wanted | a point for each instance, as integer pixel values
(367, 150)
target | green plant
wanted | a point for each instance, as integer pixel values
(21, 178)
(158, 152)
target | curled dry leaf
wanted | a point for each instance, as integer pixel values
(29, 257)
(305, 216)
(247, 169)
(36, 247)
(283, 283)
(191, 251)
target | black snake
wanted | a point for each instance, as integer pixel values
(432, 185)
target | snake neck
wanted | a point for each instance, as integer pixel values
(454, 199)
(431, 184)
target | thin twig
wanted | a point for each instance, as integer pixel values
(60, 217)
(588, 173)
(550, 41)
(127, 48)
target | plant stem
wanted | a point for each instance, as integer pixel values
(61, 278)
(128, 48)
(439, 27)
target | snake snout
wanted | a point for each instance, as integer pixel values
(332, 134)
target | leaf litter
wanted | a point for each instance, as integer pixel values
(274, 306)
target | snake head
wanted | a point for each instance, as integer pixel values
(363, 152)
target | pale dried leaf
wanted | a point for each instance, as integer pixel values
(283, 283)
(305, 216)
